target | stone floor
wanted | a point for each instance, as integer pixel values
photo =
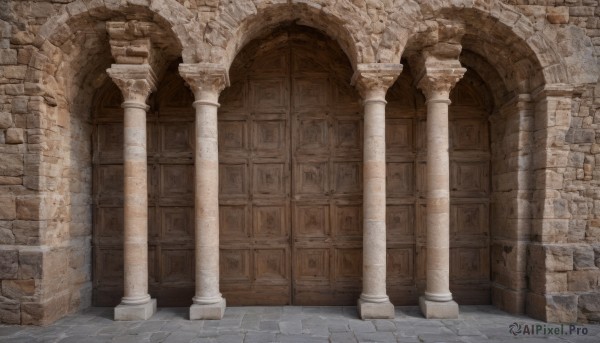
(296, 324)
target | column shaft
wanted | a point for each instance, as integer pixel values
(135, 204)
(207, 201)
(136, 82)
(206, 81)
(374, 201)
(438, 200)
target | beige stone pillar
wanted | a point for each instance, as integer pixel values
(373, 81)
(136, 83)
(436, 84)
(207, 81)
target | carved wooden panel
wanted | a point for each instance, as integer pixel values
(269, 137)
(269, 178)
(233, 222)
(312, 136)
(176, 137)
(469, 134)
(311, 220)
(176, 265)
(399, 135)
(110, 141)
(348, 264)
(348, 220)
(400, 264)
(400, 178)
(269, 94)
(176, 184)
(233, 179)
(310, 92)
(109, 222)
(235, 265)
(232, 135)
(400, 222)
(177, 223)
(312, 265)
(469, 178)
(311, 178)
(271, 266)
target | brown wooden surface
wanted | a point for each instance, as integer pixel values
(291, 176)
(290, 184)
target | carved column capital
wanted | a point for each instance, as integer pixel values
(373, 79)
(136, 82)
(206, 80)
(436, 82)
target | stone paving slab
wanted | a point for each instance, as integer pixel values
(295, 324)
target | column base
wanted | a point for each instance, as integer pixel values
(370, 310)
(209, 311)
(135, 312)
(438, 310)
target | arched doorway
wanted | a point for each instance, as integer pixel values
(290, 152)
(406, 156)
(170, 137)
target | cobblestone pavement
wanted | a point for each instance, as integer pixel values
(294, 324)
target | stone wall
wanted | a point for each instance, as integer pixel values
(539, 58)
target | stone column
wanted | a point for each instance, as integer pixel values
(436, 84)
(207, 81)
(136, 83)
(373, 81)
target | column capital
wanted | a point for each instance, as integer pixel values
(373, 79)
(209, 78)
(136, 81)
(436, 82)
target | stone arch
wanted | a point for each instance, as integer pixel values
(67, 63)
(168, 13)
(240, 22)
(500, 34)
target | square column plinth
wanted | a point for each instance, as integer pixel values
(438, 310)
(209, 311)
(371, 310)
(135, 312)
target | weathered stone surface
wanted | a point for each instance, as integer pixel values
(15, 289)
(27, 232)
(36, 207)
(8, 208)
(584, 280)
(5, 120)
(30, 264)
(589, 307)
(9, 311)
(583, 258)
(558, 15)
(6, 233)
(561, 308)
(42, 313)
(12, 164)
(9, 264)
(14, 136)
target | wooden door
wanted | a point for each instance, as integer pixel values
(290, 151)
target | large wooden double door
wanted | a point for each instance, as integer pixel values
(290, 153)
